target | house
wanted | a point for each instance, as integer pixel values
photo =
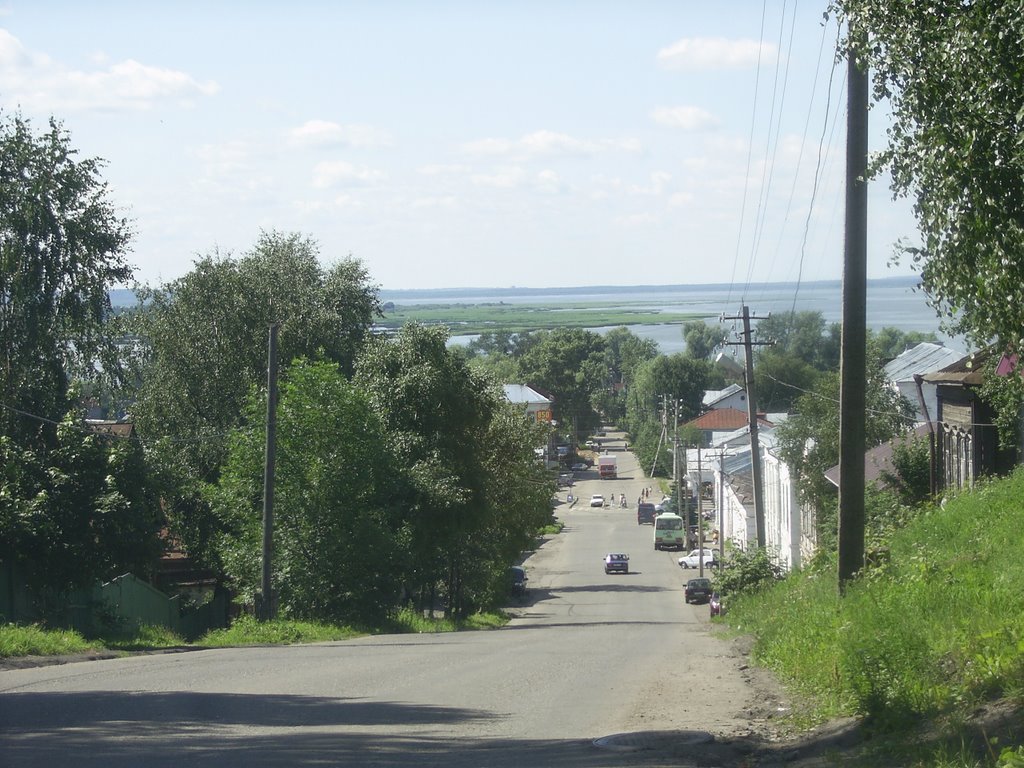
(904, 371)
(966, 439)
(717, 423)
(733, 396)
(790, 533)
(536, 405)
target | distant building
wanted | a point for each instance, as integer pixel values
(534, 404)
(904, 371)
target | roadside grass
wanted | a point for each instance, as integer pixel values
(246, 630)
(33, 640)
(927, 636)
(407, 620)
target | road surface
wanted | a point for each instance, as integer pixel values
(593, 670)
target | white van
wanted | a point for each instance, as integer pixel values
(668, 532)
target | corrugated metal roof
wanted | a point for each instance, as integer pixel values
(967, 370)
(520, 393)
(926, 357)
(712, 396)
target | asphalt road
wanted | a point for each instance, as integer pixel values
(594, 670)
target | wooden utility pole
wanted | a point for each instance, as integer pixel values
(755, 443)
(268, 606)
(853, 363)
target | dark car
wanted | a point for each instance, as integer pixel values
(697, 591)
(645, 513)
(615, 562)
(519, 579)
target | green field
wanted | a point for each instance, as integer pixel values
(517, 318)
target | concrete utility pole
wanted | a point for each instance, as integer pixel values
(853, 364)
(755, 444)
(268, 606)
(700, 514)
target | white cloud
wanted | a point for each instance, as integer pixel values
(687, 118)
(323, 133)
(694, 54)
(546, 144)
(440, 169)
(636, 220)
(504, 178)
(342, 173)
(548, 181)
(659, 181)
(38, 83)
(445, 202)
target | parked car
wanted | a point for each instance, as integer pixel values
(616, 562)
(697, 591)
(597, 500)
(579, 467)
(692, 560)
(519, 579)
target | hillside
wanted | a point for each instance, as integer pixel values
(927, 649)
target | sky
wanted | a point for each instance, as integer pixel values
(462, 144)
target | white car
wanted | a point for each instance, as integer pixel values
(597, 500)
(691, 560)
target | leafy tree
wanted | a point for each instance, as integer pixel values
(62, 247)
(809, 439)
(949, 75)
(892, 342)
(802, 335)
(570, 363)
(625, 352)
(340, 538)
(781, 378)
(665, 379)
(702, 340)
(203, 347)
(444, 421)
(81, 510)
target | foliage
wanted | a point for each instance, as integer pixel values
(702, 340)
(569, 363)
(892, 342)
(911, 475)
(246, 630)
(61, 248)
(1006, 396)
(83, 510)
(339, 534)
(748, 571)
(934, 628)
(414, 622)
(145, 637)
(203, 347)
(476, 493)
(34, 640)
(949, 75)
(804, 336)
(780, 378)
(809, 439)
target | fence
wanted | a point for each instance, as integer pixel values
(126, 601)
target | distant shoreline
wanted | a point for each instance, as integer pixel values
(433, 293)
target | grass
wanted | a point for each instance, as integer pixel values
(33, 640)
(927, 637)
(246, 630)
(518, 318)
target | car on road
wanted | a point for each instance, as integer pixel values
(692, 560)
(616, 562)
(519, 579)
(597, 500)
(645, 513)
(697, 591)
(579, 467)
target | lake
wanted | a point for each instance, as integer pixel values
(891, 302)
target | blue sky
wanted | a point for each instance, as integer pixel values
(458, 144)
